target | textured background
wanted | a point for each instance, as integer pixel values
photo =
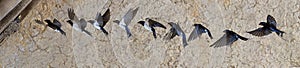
(35, 45)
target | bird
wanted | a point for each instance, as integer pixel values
(126, 20)
(55, 25)
(199, 29)
(268, 28)
(100, 21)
(176, 31)
(227, 39)
(149, 24)
(76, 23)
(17, 19)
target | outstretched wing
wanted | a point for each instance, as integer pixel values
(271, 20)
(106, 17)
(170, 35)
(155, 24)
(221, 42)
(82, 24)
(72, 15)
(99, 19)
(129, 16)
(195, 33)
(56, 22)
(260, 32)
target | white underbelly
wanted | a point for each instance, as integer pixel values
(96, 25)
(76, 27)
(122, 26)
(148, 28)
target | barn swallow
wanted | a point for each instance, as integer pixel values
(149, 24)
(100, 21)
(176, 30)
(268, 28)
(227, 39)
(126, 20)
(55, 25)
(199, 29)
(78, 25)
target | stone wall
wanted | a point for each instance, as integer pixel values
(35, 45)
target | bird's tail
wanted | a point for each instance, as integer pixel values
(184, 41)
(88, 33)
(104, 31)
(154, 33)
(209, 34)
(279, 33)
(211, 45)
(62, 32)
(128, 31)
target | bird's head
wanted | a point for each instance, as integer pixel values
(116, 21)
(199, 25)
(263, 23)
(226, 31)
(147, 19)
(141, 22)
(171, 23)
(47, 21)
(196, 24)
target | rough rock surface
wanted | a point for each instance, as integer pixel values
(35, 45)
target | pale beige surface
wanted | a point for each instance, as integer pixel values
(35, 46)
(7, 6)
